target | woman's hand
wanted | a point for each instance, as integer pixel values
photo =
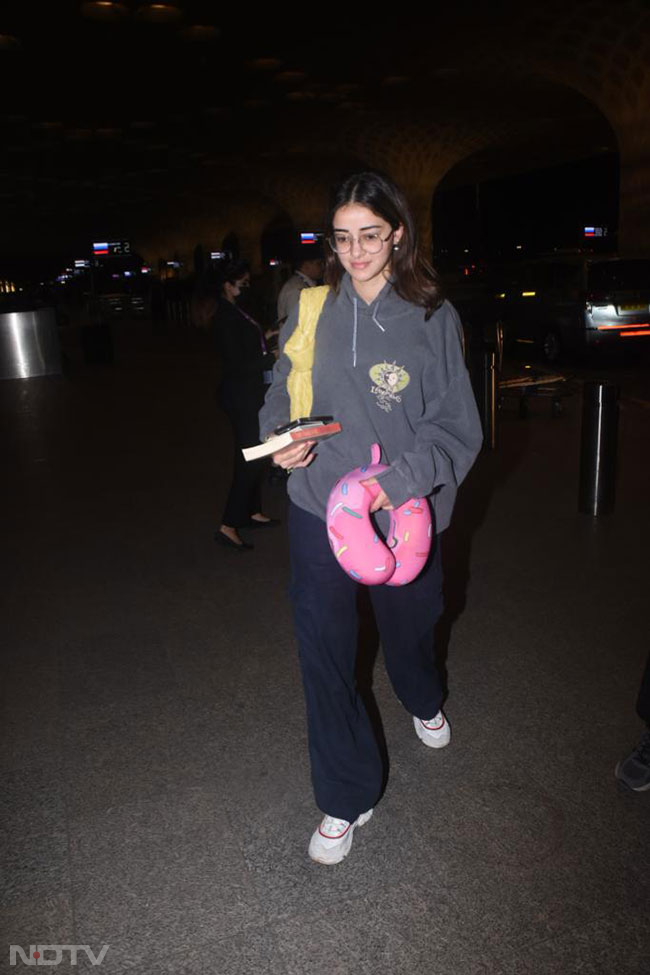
(381, 501)
(295, 455)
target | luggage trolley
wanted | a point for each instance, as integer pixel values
(538, 384)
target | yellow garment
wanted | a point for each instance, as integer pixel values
(300, 349)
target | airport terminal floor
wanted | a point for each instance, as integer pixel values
(154, 778)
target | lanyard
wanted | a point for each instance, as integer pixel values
(257, 326)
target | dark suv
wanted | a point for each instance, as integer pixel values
(575, 303)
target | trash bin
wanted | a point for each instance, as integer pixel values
(29, 344)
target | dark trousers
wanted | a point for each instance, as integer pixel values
(346, 765)
(643, 700)
(244, 497)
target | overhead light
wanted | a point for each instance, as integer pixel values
(109, 11)
(201, 33)
(290, 77)
(159, 13)
(264, 64)
(301, 96)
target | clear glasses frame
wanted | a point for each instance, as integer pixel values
(369, 243)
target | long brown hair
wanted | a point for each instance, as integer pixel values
(413, 277)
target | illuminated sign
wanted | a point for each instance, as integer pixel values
(308, 237)
(595, 231)
(112, 248)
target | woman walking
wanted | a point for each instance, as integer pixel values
(388, 365)
(245, 365)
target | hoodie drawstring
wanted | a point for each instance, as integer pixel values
(355, 328)
(375, 319)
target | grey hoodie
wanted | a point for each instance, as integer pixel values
(392, 378)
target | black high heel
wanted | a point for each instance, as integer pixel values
(228, 542)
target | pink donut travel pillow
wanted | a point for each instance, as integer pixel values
(355, 541)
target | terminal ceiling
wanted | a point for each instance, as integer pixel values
(121, 115)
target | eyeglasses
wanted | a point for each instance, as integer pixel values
(371, 243)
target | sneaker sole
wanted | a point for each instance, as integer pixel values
(421, 732)
(641, 788)
(341, 852)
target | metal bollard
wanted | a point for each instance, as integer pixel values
(598, 446)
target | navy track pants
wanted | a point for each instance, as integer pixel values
(346, 765)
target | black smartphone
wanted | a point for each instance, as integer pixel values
(304, 421)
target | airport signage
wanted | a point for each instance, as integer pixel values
(111, 248)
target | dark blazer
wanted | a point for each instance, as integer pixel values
(240, 346)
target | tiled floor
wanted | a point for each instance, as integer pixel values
(153, 776)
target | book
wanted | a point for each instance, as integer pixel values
(308, 431)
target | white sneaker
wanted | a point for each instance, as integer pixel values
(434, 732)
(332, 840)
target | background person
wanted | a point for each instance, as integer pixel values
(245, 365)
(634, 771)
(383, 315)
(307, 274)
